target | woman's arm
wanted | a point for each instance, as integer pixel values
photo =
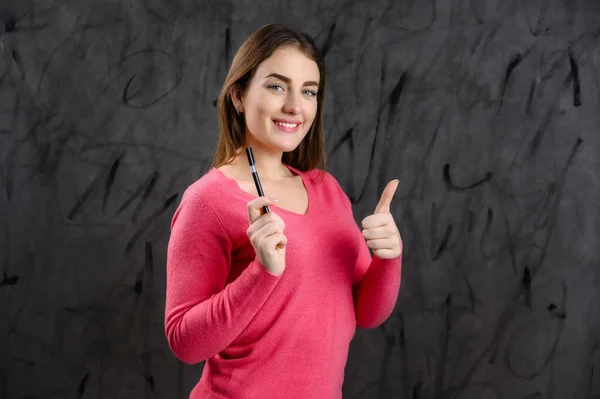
(377, 292)
(377, 286)
(202, 315)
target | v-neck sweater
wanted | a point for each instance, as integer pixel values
(261, 335)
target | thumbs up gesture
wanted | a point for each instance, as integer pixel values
(380, 230)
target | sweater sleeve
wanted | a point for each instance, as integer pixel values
(377, 286)
(203, 315)
(376, 282)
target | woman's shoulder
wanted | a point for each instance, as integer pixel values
(208, 198)
(211, 188)
(205, 184)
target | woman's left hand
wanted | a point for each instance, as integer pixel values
(380, 230)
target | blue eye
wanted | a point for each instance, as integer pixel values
(275, 86)
(310, 93)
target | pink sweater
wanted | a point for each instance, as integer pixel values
(264, 336)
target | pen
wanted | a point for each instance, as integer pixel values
(255, 176)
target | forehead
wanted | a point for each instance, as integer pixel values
(291, 62)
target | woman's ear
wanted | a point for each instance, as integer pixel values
(236, 98)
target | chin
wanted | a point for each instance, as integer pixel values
(286, 144)
(285, 147)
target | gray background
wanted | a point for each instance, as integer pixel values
(487, 111)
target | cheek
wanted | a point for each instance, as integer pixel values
(311, 111)
(257, 109)
(265, 106)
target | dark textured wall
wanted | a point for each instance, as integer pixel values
(486, 110)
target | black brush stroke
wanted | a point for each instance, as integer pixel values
(396, 93)
(541, 17)
(543, 217)
(361, 55)
(148, 222)
(384, 377)
(387, 156)
(87, 193)
(149, 271)
(145, 196)
(8, 280)
(19, 63)
(451, 185)
(517, 59)
(470, 295)
(155, 13)
(444, 347)
(550, 355)
(370, 172)
(416, 392)
(110, 180)
(555, 312)
(138, 287)
(82, 385)
(541, 130)
(526, 287)
(9, 20)
(531, 96)
(576, 83)
(424, 165)
(536, 265)
(387, 153)
(143, 191)
(20, 360)
(328, 40)
(435, 254)
(126, 97)
(471, 221)
(443, 243)
(508, 245)
(3, 180)
(227, 45)
(533, 395)
(346, 139)
(149, 258)
(405, 364)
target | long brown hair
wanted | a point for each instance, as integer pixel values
(310, 153)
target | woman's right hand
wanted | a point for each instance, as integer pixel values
(266, 235)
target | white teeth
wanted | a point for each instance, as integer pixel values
(290, 125)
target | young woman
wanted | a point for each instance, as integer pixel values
(271, 300)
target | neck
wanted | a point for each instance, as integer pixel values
(268, 165)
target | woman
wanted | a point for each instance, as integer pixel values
(271, 301)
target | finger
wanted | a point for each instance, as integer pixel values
(379, 232)
(277, 241)
(255, 207)
(270, 217)
(378, 220)
(386, 253)
(381, 243)
(260, 230)
(387, 196)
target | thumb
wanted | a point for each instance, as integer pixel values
(387, 196)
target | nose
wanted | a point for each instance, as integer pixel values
(292, 104)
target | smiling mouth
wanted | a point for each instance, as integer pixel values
(287, 127)
(286, 124)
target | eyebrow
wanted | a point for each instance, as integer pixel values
(288, 80)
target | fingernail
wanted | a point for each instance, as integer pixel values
(274, 199)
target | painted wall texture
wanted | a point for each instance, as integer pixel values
(486, 110)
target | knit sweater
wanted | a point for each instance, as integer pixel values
(261, 335)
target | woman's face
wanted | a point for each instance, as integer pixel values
(280, 102)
